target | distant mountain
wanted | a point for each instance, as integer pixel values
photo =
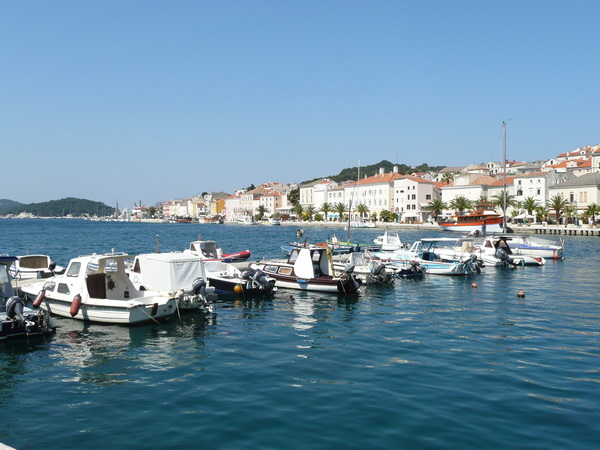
(366, 171)
(7, 205)
(64, 207)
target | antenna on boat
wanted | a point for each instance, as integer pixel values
(504, 196)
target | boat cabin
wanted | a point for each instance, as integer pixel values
(309, 262)
(208, 249)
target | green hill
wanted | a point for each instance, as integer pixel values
(7, 205)
(64, 207)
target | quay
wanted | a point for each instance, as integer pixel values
(564, 230)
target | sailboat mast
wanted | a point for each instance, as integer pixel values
(504, 192)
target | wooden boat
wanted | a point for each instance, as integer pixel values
(16, 319)
(483, 218)
(97, 288)
(310, 268)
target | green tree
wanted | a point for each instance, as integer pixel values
(325, 208)
(541, 213)
(362, 210)
(557, 203)
(461, 204)
(504, 200)
(592, 210)
(261, 211)
(298, 210)
(151, 211)
(529, 204)
(570, 212)
(340, 208)
(436, 207)
(309, 212)
(294, 196)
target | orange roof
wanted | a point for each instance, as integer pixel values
(500, 182)
(417, 179)
(484, 179)
(377, 179)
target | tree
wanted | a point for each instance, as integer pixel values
(309, 212)
(557, 203)
(570, 212)
(541, 213)
(592, 210)
(325, 208)
(504, 200)
(448, 177)
(151, 211)
(261, 212)
(529, 204)
(436, 207)
(461, 204)
(387, 216)
(294, 196)
(340, 208)
(298, 210)
(362, 210)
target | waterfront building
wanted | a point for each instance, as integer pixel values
(412, 196)
(579, 191)
(375, 192)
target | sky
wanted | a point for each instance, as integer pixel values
(145, 101)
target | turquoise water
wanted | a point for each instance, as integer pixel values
(434, 363)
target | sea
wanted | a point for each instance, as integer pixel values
(442, 362)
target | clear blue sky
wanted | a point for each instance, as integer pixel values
(151, 100)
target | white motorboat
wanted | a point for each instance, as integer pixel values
(310, 268)
(423, 251)
(389, 242)
(239, 278)
(97, 288)
(536, 247)
(16, 319)
(500, 248)
(183, 273)
(211, 251)
(366, 269)
(34, 266)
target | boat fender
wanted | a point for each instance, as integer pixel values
(199, 286)
(75, 305)
(39, 299)
(14, 309)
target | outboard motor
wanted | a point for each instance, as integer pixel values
(261, 278)
(199, 287)
(14, 309)
(52, 266)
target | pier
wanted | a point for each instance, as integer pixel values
(570, 230)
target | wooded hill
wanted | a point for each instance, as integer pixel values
(60, 208)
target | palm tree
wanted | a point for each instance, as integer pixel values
(436, 207)
(298, 210)
(325, 208)
(529, 204)
(558, 204)
(461, 204)
(309, 212)
(448, 177)
(592, 210)
(362, 210)
(541, 213)
(340, 208)
(570, 212)
(504, 200)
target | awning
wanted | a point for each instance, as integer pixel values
(524, 216)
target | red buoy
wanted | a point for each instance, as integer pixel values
(75, 305)
(39, 299)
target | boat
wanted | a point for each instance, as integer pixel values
(97, 288)
(16, 319)
(483, 219)
(310, 268)
(500, 247)
(536, 247)
(34, 266)
(211, 251)
(182, 273)
(389, 242)
(423, 251)
(366, 269)
(341, 247)
(246, 220)
(239, 278)
(364, 223)
(273, 221)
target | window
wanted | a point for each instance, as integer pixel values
(63, 289)
(428, 197)
(74, 269)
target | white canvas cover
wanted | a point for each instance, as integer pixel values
(169, 271)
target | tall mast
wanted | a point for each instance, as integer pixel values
(504, 192)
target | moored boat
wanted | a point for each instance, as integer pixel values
(211, 251)
(310, 268)
(29, 267)
(483, 218)
(97, 288)
(239, 278)
(16, 319)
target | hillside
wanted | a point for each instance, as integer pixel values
(7, 205)
(351, 173)
(61, 208)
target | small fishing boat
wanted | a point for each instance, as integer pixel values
(16, 319)
(211, 251)
(97, 288)
(34, 266)
(310, 268)
(183, 273)
(239, 278)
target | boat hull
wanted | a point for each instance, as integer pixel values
(472, 227)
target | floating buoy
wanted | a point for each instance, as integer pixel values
(75, 305)
(39, 299)
(521, 294)
(237, 289)
(474, 285)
